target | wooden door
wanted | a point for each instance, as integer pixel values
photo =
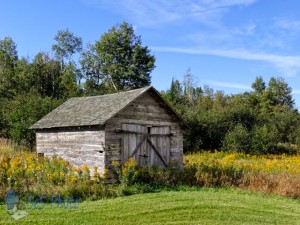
(160, 138)
(133, 135)
(147, 145)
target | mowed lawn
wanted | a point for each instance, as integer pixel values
(200, 206)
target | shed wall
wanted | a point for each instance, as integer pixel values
(84, 147)
(145, 110)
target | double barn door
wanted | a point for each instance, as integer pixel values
(147, 145)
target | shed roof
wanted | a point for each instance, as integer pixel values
(90, 111)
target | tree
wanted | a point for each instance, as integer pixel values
(205, 100)
(67, 45)
(24, 76)
(46, 72)
(8, 60)
(259, 85)
(279, 93)
(24, 111)
(9, 47)
(68, 86)
(124, 62)
(91, 70)
(175, 92)
(238, 139)
(219, 100)
(191, 91)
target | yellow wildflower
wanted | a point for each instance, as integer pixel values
(85, 169)
(115, 163)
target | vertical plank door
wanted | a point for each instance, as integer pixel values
(160, 138)
(147, 145)
(132, 137)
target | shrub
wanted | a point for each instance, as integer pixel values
(131, 174)
(158, 176)
(27, 173)
(238, 139)
(127, 172)
(216, 175)
(283, 148)
(264, 137)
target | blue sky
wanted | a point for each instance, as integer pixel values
(225, 43)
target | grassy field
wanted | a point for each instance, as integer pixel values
(190, 206)
(271, 164)
(279, 174)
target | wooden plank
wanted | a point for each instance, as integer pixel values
(125, 146)
(142, 133)
(145, 108)
(157, 118)
(133, 153)
(80, 147)
(117, 121)
(140, 138)
(132, 142)
(157, 152)
(148, 101)
(160, 138)
(166, 144)
(145, 160)
(153, 158)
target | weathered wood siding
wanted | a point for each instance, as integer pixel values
(79, 147)
(154, 150)
(147, 110)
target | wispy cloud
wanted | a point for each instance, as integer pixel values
(271, 40)
(228, 85)
(157, 12)
(296, 92)
(288, 65)
(288, 24)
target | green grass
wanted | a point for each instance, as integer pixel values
(192, 206)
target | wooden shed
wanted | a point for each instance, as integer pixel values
(95, 131)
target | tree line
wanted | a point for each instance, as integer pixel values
(261, 121)
(30, 88)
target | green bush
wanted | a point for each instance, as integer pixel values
(264, 138)
(127, 172)
(238, 140)
(281, 148)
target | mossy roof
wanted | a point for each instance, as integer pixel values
(91, 111)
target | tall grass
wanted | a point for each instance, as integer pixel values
(6, 147)
(28, 173)
(279, 174)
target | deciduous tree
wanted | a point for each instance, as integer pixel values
(66, 45)
(124, 61)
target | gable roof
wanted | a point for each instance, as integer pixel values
(90, 111)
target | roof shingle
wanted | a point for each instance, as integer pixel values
(88, 111)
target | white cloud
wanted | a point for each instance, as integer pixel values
(287, 24)
(247, 40)
(251, 28)
(288, 65)
(296, 91)
(228, 85)
(157, 12)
